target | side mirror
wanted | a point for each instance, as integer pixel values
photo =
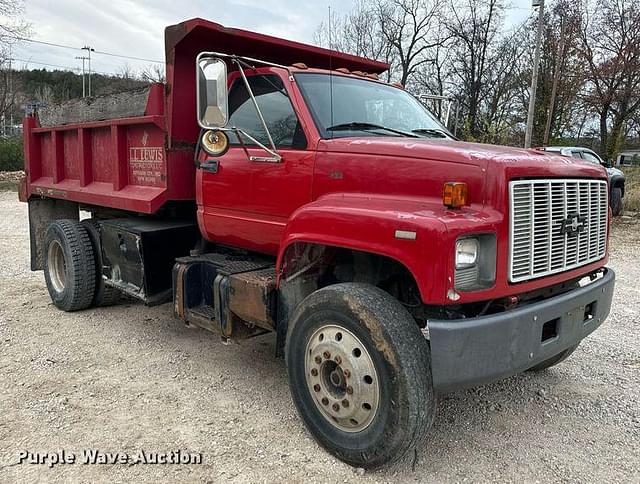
(212, 96)
(607, 164)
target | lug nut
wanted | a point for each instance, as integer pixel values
(338, 359)
(349, 390)
(326, 354)
(318, 360)
(336, 407)
(316, 388)
(325, 401)
(314, 372)
(345, 403)
(346, 373)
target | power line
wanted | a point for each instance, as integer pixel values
(129, 57)
(68, 68)
(24, 39)
(63, 46)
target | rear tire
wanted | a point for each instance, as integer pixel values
(360, 374)
(69, 265)
(554, 360)
(104, 295)
(616, 201)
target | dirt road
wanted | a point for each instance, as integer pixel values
(132, 378)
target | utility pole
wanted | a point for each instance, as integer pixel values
(89, 50)
(534, 77)
(83, 58)
(556, 80)
(13, 96)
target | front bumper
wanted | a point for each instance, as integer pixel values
(470, 352)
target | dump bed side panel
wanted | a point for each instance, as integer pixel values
(120, 163)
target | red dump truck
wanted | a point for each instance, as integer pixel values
(274, 187)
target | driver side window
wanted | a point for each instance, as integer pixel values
(276, 108)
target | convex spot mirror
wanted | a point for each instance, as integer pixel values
(213, 103)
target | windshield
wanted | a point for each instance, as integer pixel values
(365, 108)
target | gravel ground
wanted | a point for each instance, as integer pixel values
(129, 377)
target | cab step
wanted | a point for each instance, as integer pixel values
(234, 295)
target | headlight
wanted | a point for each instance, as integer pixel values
(475, 262)
(466, 253)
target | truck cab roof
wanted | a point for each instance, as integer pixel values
(184, 41)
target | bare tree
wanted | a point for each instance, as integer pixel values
(399, 32)
(501, 111)
(610, 48)
(153, 73)
(128, 76)
(410, 27)
(589, 81)
(475, 27)
(357, 33)
(11, 27)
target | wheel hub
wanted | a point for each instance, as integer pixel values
(56, 266)
(342, 378)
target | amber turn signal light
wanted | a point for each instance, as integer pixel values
(455, 195)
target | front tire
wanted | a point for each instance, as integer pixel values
(360, 374)
(69, 265)
(616, 201)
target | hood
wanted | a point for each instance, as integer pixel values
(514, 162)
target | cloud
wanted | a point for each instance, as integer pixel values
(136, 27)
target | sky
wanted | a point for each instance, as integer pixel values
(136, 27)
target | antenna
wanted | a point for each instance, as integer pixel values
(330, 72)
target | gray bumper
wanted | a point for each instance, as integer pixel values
(470, 352)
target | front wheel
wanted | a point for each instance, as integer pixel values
(616, 201)
(360, 373)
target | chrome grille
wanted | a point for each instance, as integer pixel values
(539, 211)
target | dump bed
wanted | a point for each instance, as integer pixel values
(121, 162)
(134, 151)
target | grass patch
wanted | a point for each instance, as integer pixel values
(631, 200)
(9, 186)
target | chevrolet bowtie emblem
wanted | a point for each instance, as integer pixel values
(573, 225)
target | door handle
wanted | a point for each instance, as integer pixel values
(210, 166)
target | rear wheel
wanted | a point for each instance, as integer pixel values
(554, 360)
(359, 373)
(104, 295)
(69, 265)
(616, 201)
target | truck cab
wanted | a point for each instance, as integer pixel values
(274, 187)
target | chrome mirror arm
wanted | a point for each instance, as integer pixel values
(275, 156)
(273, 151)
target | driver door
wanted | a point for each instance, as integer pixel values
(247, 203)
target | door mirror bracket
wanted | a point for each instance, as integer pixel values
(213, 102)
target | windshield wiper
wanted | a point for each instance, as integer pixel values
(433, 131)
(362, 126)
